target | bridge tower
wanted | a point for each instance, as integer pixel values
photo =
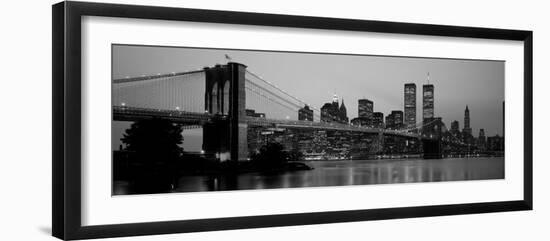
(378, 143)
(431, 138)
(225, 98)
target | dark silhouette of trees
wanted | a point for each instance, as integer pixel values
(154, 148)
(295, 155)
(154, 137)
(271, 154)
(273, 158)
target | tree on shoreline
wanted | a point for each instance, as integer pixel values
(271, 154)
(274, 154)
(154, 138)
(155, 147)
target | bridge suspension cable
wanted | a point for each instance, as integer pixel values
(264, 97)
(292, 108)
(276, 92)
(277, 88)
(176, 91)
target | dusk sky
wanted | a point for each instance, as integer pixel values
(315, 78)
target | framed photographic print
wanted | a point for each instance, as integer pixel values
(170, 120)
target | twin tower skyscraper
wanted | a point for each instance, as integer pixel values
(409, 119)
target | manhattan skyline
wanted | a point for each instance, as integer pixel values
(315, 78)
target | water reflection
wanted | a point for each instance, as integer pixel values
(350, 172)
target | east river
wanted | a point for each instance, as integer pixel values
(350, 172)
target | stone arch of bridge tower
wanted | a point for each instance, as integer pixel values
(227, 134)
(215, 99)
(225, 97)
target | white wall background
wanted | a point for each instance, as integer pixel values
(25, 101)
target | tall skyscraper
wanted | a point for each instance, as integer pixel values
(364, 118)
(365, 108)
(397, 118)
(378, 120)
(390, 123)
(467, 128)
(305, 113)
(481, 140)
(333, 112)
(455, 128)
(343, 113)
(394, 120)
(427, 102)
(329, 113)
(410, 105)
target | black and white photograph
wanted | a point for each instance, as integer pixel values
(188, 119)
(275, 120)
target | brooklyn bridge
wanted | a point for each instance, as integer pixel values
(238, 111)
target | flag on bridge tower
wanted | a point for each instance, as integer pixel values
(228, 58)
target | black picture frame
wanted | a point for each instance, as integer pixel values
(66, 75)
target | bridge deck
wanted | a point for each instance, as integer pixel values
(125, 113)
(256, 121)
